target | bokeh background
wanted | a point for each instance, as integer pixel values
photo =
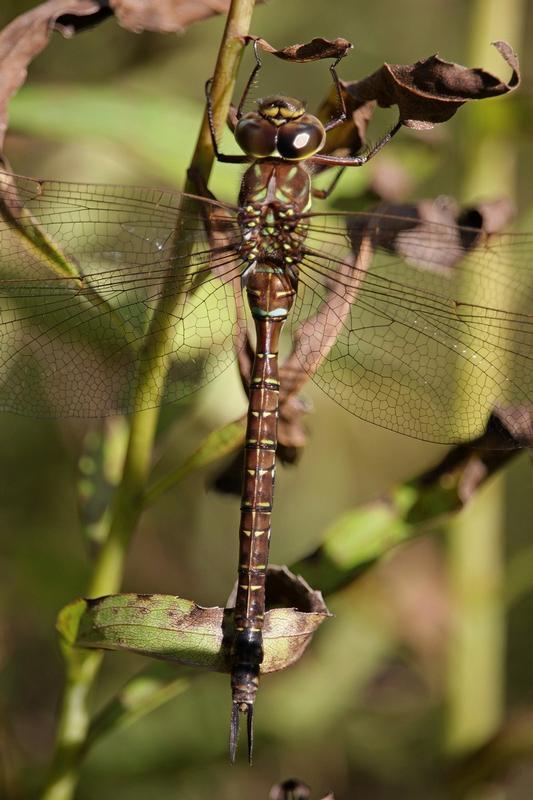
(429, 653)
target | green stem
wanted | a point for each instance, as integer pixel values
(476, 648)
(108, 568)
(489, 151)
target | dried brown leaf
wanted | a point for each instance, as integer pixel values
(315, 50)
(165, 16)
(431, 90)
(442, 238)
(26, 37)
(517, 421)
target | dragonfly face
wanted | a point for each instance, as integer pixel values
(280, 128)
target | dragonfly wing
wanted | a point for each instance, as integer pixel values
(420, 330)
(97, 282)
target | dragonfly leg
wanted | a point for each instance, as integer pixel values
(343, 114)
(322, 194)
(357, 161)
(199, 183)
(228, 159)
(250, 81)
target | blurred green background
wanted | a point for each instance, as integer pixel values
(430, 651)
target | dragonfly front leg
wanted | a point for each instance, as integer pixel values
(270, 295)
(228, 159)
(357, 161)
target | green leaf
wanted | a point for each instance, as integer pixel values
(67, 625)
(178, 630)
(68, 620)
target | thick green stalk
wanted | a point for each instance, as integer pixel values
(106, 577)
(489, 153)
(475, 674)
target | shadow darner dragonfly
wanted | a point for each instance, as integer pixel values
(383, 319)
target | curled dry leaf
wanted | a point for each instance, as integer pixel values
(468, 466)
(165, 16)
(516, 422)
(174, 629)
(25, 37)
(315, 50)
(431, 90)
(291, 789)
(427, 92)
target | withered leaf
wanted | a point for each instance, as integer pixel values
(431, 90)
(315, 50)
(431, 234)
(516, 421)
(165, 16)
(25, 37)
(174, 629)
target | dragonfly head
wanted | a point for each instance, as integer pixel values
(280, 127)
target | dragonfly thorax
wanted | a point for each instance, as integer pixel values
(272, 233)
(280, 128)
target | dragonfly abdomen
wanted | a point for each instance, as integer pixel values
(270, 295)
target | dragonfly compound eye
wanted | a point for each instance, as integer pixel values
(255, 135)
(302, 138)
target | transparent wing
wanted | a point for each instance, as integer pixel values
(112, 297)
(422, 329)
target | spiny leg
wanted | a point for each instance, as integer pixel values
(322, 194)
(227, 159)
(342, 116)
(250, 81)
(234, 116)
(357, 161)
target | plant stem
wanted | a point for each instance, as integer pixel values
(476, 648)
(489, 151)
(106, 577)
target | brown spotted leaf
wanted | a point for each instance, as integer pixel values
(178, 630)
(315, 50)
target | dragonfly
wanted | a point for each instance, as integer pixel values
(115, 299)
